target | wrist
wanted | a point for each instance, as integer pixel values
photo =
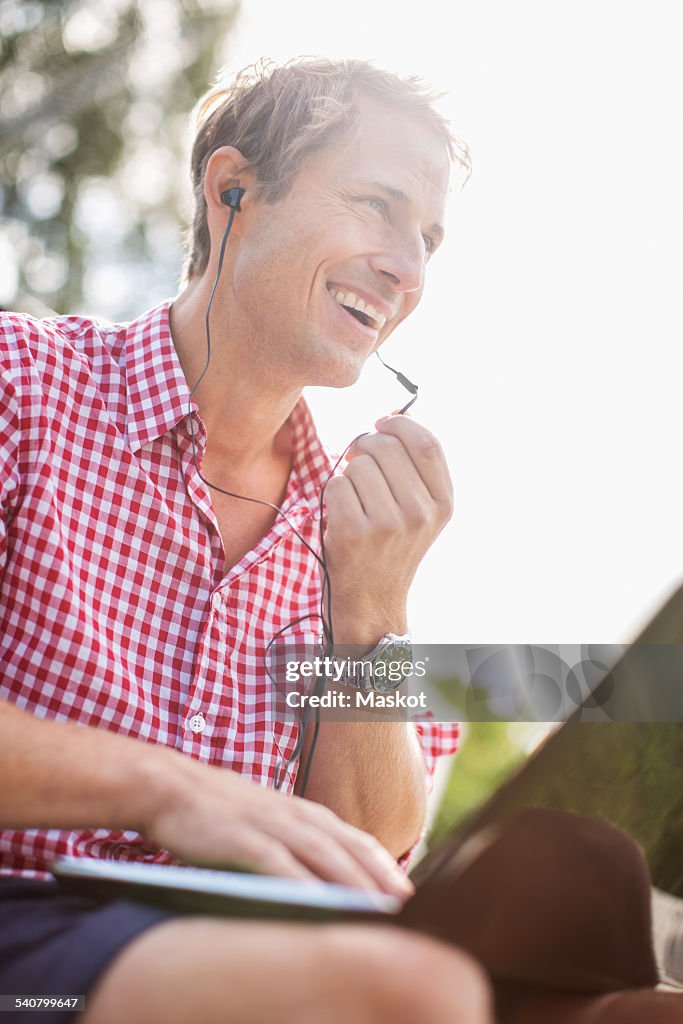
(363, 628)
(159, 782)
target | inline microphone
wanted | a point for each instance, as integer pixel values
(404, 382)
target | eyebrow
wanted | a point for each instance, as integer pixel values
(435, 229)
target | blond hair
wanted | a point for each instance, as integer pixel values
(278, 116)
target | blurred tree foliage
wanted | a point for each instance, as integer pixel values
(489, 752)
(94, 104)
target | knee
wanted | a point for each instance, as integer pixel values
(439, 982)
(572, 839)
(410, 978)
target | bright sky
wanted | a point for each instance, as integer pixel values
(548, 344)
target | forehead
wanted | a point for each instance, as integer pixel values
(393, 147)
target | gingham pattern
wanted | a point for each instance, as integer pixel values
(114, 608)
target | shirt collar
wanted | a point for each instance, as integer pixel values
(311, 463)
(158, 394)
(159, 397)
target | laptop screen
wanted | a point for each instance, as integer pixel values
(619, 758)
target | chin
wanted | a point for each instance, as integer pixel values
(336, 367)
(333, 381)
(343, 374)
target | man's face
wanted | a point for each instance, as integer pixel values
(323, 276)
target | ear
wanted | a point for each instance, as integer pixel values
(226, 168)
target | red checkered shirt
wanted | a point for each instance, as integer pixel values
(115, 608)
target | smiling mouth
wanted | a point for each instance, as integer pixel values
(364, 312)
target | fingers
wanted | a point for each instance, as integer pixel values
(339, 852)
(425, 452)
(412, 471)
(328, 859)
(253, 850)
(285, 836)
(359, 493)
(395, 476)
(325, 847)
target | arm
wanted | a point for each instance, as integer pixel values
(372, 775)
(61, 775)
(383, 514)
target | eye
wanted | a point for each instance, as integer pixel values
(430, 246)
(376, 203)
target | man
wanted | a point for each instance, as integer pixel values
(140, 595)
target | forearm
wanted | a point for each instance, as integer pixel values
(370, 772)
(383, 511)
(64, 776)
(61, 775)
(372, 775)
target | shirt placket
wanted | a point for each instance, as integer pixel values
(211, 717)
(192, 448)
(220, 725)
(203, 709)
(199, 713)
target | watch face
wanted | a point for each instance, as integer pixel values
(391, 666)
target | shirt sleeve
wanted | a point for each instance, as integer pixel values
(437, 739)
(9, 443)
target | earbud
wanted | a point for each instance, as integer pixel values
(232, 197)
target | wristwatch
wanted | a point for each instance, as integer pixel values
(382, 669)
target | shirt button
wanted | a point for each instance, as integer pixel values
(197, 723)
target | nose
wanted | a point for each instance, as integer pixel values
(402, 265)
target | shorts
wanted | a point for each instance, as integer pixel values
(54, 942)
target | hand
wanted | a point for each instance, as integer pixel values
(215, 817)
(383, 513)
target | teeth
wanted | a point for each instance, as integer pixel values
(354, 302)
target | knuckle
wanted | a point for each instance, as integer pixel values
(363, 463)
(364, 841)
(317, 813)
(387, 525)
(445, 507)
(359, 447)
(364, 532)
(389, 442)
(319, 845)
(420, 516)
(334, 484)
(250, 843)
(429, 446)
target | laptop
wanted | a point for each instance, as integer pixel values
(619, 757)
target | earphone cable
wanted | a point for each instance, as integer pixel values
(325, 613)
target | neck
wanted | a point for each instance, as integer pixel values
(243, 405)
